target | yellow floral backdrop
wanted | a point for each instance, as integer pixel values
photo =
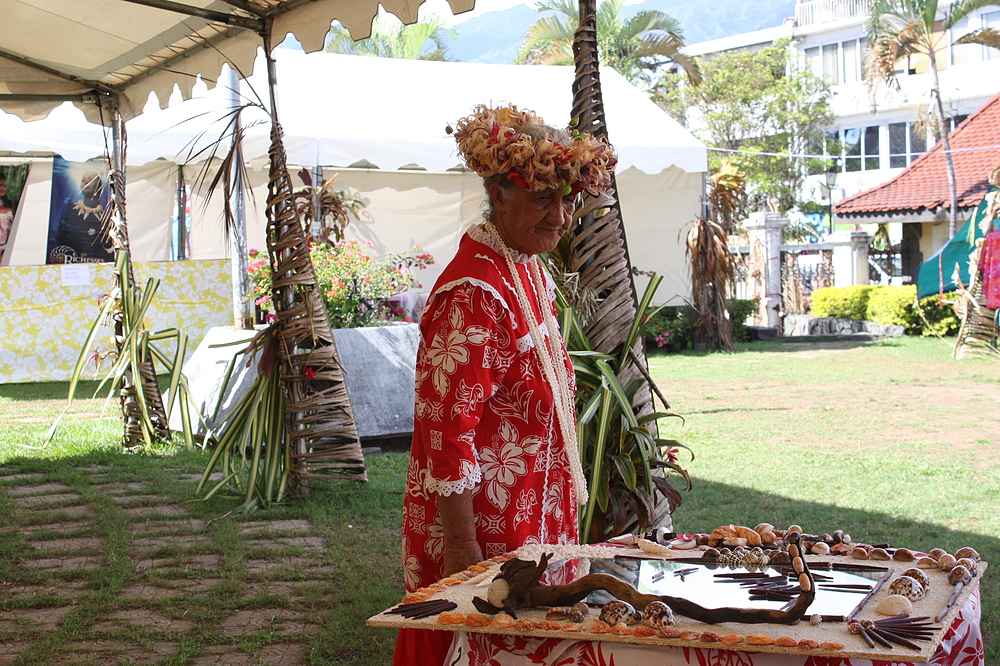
(45, 314)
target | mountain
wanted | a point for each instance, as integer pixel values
(493, 37)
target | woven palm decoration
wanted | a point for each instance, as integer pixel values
(322, 432)
(598, 253)
(141, 375)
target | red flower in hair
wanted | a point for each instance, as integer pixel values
(518, 179)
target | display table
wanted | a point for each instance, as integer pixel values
(939, 626)
(962, 645)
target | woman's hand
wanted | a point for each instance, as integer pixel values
(461, 549)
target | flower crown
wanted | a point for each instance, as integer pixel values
(491, 142)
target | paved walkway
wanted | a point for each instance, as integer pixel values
(74, 591)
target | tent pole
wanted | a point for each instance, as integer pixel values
(243, 314)
(182, 244)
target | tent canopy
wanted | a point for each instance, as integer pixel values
(937, 274)
(338, 110)
(120, 51)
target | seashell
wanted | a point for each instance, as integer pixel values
(723, 532)
(947, 562)
(959, 574)
(804, 582)
(794, 528)
(780, 557)
(710, 554)
(908, 587)
(684, 544)
(497, 592)
(617, 611)
(894, 604)
(647, 546)
(838, 536)
(763, 527)
(879, 554)
(751, 536)
(936, 553)
(968, 564)
(859, 553)
(970, 553)
(903, 555)
(703, 539)
(657, 615)
(855, 627)
(840, 547)
(734, 541)
(919, 576)
(768, 537)
(846, 538)
(820, 548)
(927, 563)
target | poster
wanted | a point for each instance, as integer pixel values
(12, 180)
(77, 214)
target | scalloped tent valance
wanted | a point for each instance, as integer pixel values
(99, 52)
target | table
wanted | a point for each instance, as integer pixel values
(962, 646)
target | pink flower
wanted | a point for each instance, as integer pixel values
(270, 318)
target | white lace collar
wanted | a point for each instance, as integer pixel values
(479, 234)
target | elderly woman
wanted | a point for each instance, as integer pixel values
(493, 462)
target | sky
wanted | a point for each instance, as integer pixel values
(442, 9)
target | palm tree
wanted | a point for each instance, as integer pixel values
(425, 40)
(635, 47)
(901, 28)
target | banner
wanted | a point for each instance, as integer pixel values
(80, 195)
(12, 179)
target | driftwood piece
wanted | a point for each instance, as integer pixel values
(526, 592)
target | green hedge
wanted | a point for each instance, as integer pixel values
(664, 324)
(888, 306)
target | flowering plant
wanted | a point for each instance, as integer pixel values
(664, 325)
(353, 282)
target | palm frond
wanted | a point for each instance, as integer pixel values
(652, 21)
(671, 47)
(985, 36)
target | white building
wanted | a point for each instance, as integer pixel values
(880, 134)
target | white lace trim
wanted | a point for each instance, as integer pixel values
(451, 487)
(480, 234)
(485, 286)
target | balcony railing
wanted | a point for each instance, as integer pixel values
(824, 11)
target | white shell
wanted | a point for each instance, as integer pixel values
(894, 604)
(683, 544)
(927, 563)
(497, 592)
(959, 574)
(820, 548)
(617, 611)
(947, 562)
(908, 587)
(657, 615)
(647, 546)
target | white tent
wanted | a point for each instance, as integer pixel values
(339, 110)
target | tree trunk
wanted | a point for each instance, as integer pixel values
(946, 145)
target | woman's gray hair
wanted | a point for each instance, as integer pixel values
(537, 132)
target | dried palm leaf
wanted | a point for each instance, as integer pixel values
(711, 278)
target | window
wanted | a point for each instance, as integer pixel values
(991, 20)
(831, 64)
(852, 64)
(861, 150)
(906, 143)
(962, 53)
(813, 63)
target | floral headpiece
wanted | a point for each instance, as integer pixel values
(491, 142)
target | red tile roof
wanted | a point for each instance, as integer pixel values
(924, 184)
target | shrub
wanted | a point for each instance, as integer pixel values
(739, 310)
(937, 315)
(894, 306)
(665, 324)
(841, 302)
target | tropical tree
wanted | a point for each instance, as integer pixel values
(901, 28)
(426, 40)
(636, 47)
(757, 107)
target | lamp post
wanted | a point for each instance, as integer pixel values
(831, 179)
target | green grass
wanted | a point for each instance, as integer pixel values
(890, 441)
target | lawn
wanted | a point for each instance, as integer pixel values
(890, 441)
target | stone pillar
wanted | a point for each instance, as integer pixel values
(764, 230)
(850, 257)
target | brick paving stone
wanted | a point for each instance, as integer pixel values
(283, 654)
(149, 619)
(277, 526)
(177, 526)
(145, 591)
(153, 543)
(112, 652)
(218, 655)
(138, 499)
(156, 511)
(45, 500)
(306, 542)
(17, 491)
(63, 545)
(246, 622)
(49, 513)
(259, 588)
(37, 618)
(10, 651)
(119, 488)
(53, 564)
(21, 477)
(30, 531)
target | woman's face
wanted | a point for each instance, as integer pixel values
(531, 222)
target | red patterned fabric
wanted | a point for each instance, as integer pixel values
(962, 646)
(989, 266)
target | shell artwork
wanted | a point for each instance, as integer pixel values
(970, 553)
(927, 563)
(919, 576)
(617, 611)
(969, 564)
(497, 592)
(903, 555)
(652, 547)
(658, 615)
(959, 574)
(894, 604)
(820, 548)
(907, 587)
(947, 562)
(879, 554)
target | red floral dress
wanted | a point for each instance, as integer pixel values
(484, 418)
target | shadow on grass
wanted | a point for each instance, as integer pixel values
(779, 345)
(725, 410)
(47, 391)
(710, 504)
